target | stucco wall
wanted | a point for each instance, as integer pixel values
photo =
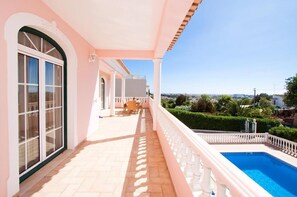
(86, 77)
(118, 90)
(135, 87)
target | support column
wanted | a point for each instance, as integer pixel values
(123, 90)
(112, 93)
(157, 90)
(99, 88)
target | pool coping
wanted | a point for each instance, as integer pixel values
(256, 148)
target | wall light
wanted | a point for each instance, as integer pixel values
(92, 57)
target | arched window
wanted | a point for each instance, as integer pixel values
(41, 96)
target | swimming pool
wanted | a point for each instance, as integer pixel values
(275, 176)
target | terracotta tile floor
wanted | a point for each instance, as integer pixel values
(123, 158)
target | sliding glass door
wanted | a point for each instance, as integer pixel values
(40, 101)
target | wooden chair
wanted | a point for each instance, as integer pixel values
(131, 106)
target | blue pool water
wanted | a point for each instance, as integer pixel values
(275, 176)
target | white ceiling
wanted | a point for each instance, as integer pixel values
(113, 24)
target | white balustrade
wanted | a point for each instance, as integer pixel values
(194, 161)
(195, 182)
(286, 146)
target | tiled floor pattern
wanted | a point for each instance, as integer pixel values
(123, 158)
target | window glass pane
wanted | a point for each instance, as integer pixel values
(47, 46)
(21, 96)
(49, 97)
(58, 97)
(49, 73)
(24, 40)
(50, 143)
(58, 118)
(49, 120)
(33, 152)
(55, 53)
(32, 70)
(32, 125)
(59, 139)
(36, 41)
(22, 166)
(21, 128)
(21, 68)
(49, 49)
(32, 98)
(58, 75)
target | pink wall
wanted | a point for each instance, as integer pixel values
(86, 75)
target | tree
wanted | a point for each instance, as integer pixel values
(222, 103)
(291, 94)
(262, 95)
(204, 104)
(180, 100)
(264, 103)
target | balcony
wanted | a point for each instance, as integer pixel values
(125, 157)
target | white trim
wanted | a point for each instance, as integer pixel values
(12, 26)
(115, 66)
(112, 92)
(157, 90)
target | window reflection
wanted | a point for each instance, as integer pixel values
(32, 98)
(22, 162)
(49, 73)
(49, 97)
(32, 152)
(21, 72)
(21, 128)
(21, 98)
(49, 120)
(32, 125)
(58, 75)
(59, 139)
(32, 70)
(50, 143)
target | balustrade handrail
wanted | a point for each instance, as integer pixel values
(286, 145)
(142, 99)
(224, 171)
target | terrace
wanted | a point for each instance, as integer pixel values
(150, 153)
(130, 159)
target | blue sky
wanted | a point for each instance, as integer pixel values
(230, 47)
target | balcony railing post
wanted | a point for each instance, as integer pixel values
(195, 182)
(221, 190)
(183, 159)
(189, 164)
(205, 183)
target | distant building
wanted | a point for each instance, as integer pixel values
(278, 101)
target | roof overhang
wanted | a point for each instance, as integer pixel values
(131, 29)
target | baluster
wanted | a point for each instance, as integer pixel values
(180, 152)
(183, 158)
(174, 142)
(195, 182)
(205, 183)
(189, 164)
(221, 190)
(176, 146)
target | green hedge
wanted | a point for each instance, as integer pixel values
(195, 120)
(284, 132)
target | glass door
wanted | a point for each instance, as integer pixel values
(53, 107)
(41, 124)
(29, 113)
(40, 99)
